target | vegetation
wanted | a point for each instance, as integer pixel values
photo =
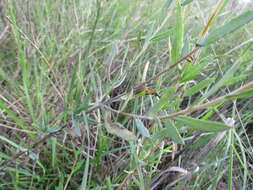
(126, 94)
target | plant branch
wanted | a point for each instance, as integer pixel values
(182, 112)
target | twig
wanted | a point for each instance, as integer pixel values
(183, 112)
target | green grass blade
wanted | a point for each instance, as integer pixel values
(162, 36)
(186, 2)
(198, 124)
(246, 94)
(54, 155)
(228, 28)
(179, 34)
(195, 89)
(226, 77)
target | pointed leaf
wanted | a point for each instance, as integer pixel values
(198, 124)
(246, 94)
(195, 89)
(231, 26)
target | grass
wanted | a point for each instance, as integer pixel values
(85, 85)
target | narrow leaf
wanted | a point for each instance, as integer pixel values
(236, 79)
(141, 128)
(162, 36)
(246, 94)
(198, 124)
(179, 32)
(191, 72)
(186, 2)
(226, 77)
(231, 26)
(195, 89)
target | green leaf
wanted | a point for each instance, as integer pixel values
(141, 128)
(191, 72)
(226, 77)
(170, 131)
(162, 36)
(162, 102)
(198, 124)
(236, 79)
(54, 151)
(179, 32)
(186, 2)
(231, 26)
(201, 85)
(246, 94)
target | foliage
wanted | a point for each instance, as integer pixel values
(126, 94)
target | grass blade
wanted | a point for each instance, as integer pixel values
(171, 131)
(246, 94)
(228, 28)
(195, 89)
(179, 31)
(198, 124)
